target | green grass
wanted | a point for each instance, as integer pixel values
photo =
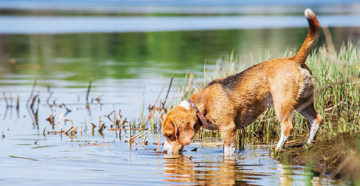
(337, 93)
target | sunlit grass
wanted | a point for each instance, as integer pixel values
(337, 92)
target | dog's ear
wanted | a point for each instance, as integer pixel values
(188, 131)
(176, 129)
(170, 130)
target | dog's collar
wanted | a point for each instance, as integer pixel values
(199, 114)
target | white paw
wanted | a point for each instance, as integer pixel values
(281, 142)
(229, 151)
(313, 130)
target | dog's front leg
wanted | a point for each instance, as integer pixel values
(228, 135)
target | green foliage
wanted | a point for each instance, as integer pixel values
(336, 96)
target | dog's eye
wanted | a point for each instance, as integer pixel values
(169, 136)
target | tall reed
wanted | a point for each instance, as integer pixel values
(337, 92)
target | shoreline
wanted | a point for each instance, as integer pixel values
(336, 152)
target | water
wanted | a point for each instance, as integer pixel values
(129, 64)
(56, 25)
(54, 160)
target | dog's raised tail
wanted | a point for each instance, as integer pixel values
(311, 38)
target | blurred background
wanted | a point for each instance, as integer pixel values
(130, 48)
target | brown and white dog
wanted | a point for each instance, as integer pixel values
(236, 101)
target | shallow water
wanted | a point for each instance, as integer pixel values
(56, 160)
(128, 70)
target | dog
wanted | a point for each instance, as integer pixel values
(236, 101)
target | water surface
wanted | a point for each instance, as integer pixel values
(130, 60)
(69, 24)
(56, 160)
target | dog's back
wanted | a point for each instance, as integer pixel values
(282, 80)
(237, 100)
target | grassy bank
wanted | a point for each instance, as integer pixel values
(337, 99)
(337, 93)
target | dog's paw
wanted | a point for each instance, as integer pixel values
(229, 151)
(308, 146)
(274, 153)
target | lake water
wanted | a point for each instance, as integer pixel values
(130, 57)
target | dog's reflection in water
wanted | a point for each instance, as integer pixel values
(182, 169)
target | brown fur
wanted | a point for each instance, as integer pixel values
(236, 101)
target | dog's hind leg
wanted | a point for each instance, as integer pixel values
(284, 111)
(314, 119)
(286, 129)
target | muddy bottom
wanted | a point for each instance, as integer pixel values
(337, 157)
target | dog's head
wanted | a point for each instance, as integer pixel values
(179, 128)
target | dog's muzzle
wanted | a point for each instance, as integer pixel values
(171, 148)
(167, 147)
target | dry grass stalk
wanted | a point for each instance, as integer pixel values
(108, 116)
(66, 131)
(125, 129)
(118, 123)
(101, 128)
(74, 131)
(87, 95)
(31, 93)
(92, 129)
(71, 121)
(129, 135)
(67, 110)
(142, 133)
(6, 100)
(51, 120)
(35, 113)
(167, 93)
(158, 148)
(99, 120)
(17, 103)
(144, 142)
(48, 99)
